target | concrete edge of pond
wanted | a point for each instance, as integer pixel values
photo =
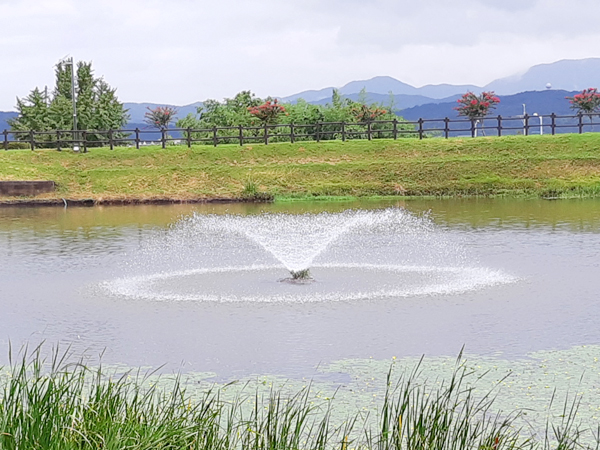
(15, 188)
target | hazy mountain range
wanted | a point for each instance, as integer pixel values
(436, 101)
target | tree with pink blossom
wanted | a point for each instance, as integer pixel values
(587, 101)
(476, 107)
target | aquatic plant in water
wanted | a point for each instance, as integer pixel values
(55, 403)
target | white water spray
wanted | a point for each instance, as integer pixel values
(354, 254)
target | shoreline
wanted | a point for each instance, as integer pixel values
(89, 202)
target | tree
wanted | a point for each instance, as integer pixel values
(98, 107)
(230, 113)
(268, 112)
(366, 113)
(306, 120)
(476, 107)
(160, 117)
(587, 101)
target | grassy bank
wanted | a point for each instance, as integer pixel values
(547, 166)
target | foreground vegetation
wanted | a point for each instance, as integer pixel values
(545, 166)
(57, 404)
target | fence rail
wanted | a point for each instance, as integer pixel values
(377, 129)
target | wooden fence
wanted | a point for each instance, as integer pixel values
(319, 131)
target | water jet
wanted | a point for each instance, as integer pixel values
(355, 254)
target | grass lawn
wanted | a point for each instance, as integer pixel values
(547, 166)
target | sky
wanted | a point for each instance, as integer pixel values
(181, 51)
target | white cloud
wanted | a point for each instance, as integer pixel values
(183, 51)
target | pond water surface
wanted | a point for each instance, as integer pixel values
(56, 264)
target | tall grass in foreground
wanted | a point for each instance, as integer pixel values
(56, 404)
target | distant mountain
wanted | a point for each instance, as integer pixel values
(383, 86)
(309, 96)
(401, 101)
(568, 74)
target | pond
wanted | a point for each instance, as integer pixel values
(173, 286)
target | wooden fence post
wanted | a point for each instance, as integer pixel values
(580, 120)
(32, 140)
(395, 129)
(526, 123)
(5, 133)
(446, 127)
(292, 132)
(369, 137)
(499, 125)
(189, 137)
(241, 134)
(553, 123)
(420, 128)
(318, 132)
(137, 138)
(84, 137)
(58, 143)
(215, 137)
(111, 144)
(266, 134)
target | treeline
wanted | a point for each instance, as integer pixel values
(83, 107)
(254, 114)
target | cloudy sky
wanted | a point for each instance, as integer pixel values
(182, 51)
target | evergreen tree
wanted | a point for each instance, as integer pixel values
(98, 107)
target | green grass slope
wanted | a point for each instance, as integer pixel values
(565, 165)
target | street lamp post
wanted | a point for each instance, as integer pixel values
(69, 62)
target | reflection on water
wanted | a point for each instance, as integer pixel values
(54, 261)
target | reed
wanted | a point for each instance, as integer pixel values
(54, 403)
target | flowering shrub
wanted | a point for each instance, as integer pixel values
(364, 113)
(267, 112)
(476, 106)
(587, 101)
(160, 117)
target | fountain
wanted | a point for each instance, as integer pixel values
(355, 254)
